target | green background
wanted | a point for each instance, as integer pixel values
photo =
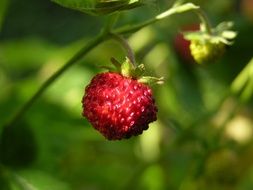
(201, 140)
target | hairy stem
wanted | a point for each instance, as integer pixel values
(111, 21)
(126, 46)
(204, 20)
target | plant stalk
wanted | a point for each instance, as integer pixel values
(123, 42)
(174, 10)
(204, 20)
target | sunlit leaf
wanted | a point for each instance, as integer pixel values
(99, 7)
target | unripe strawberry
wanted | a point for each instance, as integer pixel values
(205, 51)
(208, 45)
(118, 106)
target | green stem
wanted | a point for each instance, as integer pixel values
(204, 20)
(126, 46)
(134, 28)
(174, 10)
(111, 21)
(89, 46)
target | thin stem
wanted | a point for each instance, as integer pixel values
(89, 46)
(134, 28)
(126, 46)
(111, 21)
(204, 20)
(174, 10)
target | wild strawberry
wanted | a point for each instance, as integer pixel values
(118, 106)
(210, 45)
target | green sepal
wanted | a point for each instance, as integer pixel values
(116, 64)
(139, 71)
(221, 33)
(151, 80)
(127, 68)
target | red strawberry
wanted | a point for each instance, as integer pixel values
(118, 106)
(182, 46)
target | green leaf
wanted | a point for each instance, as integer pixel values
(99, 7)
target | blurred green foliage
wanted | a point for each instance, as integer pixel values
(203, 136)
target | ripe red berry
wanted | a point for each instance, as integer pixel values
(182, 46)
(117, 106)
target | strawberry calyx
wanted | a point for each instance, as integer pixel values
(222, 33)
(129, 70)
(209, 46)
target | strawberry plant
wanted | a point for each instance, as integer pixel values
(94, 95)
